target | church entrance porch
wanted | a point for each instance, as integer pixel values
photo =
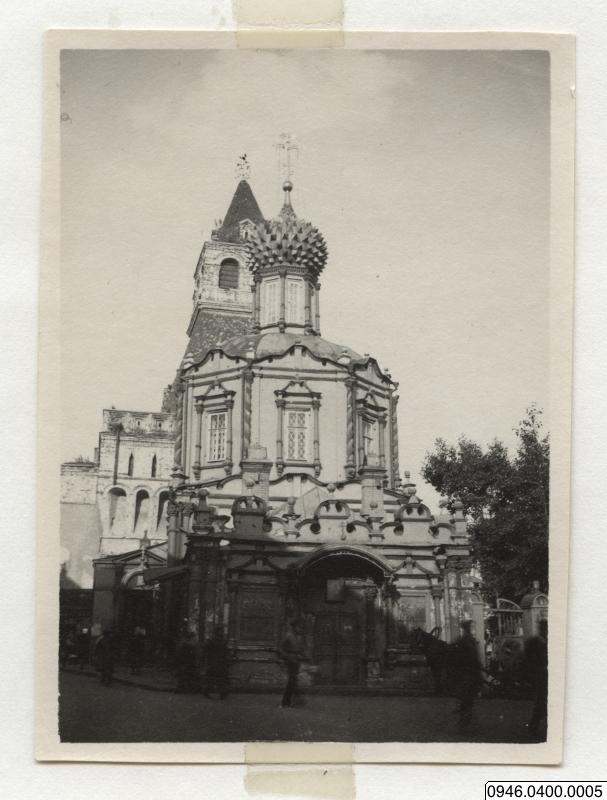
(337, 648)
(342, 603)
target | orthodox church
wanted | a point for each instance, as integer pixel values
(285, 500)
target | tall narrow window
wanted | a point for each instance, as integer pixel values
(295, 301)
(217, 436)
(297, 423)
(131, 466)
(154, 466)
(228, 274)
(369, 431)
(118, 512)
(142, 513)
(271, 301)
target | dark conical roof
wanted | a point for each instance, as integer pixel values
(243, 206)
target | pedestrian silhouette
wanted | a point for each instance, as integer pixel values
(535, 669)
(466, 666)
(83, 647)
(216, 658)
(105, 656)
(188, 677)
(137, 649)
(293, 654)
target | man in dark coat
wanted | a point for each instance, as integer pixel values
(466, 665)
(188, 677)
(293, 654)
(137, 650)
(535, 668)
(216, 659)
(105, 656)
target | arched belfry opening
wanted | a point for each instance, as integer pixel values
(341, 601)
(228, 274)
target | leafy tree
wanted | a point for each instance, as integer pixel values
(506, 502)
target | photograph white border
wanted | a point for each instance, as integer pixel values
(48, 746)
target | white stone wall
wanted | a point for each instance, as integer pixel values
(206, 279)
(139, 422)
(79, 483)
(143, 449)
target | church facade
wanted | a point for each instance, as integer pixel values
(286, 499)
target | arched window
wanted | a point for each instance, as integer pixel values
(142, 513)
(117, 511)
(228, 274)
(154, 466)
(161, 519)
(131, 466)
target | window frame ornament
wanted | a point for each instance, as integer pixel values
(297, 396)
(368, 410)
(216, 400)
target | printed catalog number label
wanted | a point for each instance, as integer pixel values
(570, 789)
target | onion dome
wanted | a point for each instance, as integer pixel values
(287, 241)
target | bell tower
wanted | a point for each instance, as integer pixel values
(223, 303)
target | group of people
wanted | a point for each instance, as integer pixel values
(102, 647)
(74, 647)
(214, 663)
(467, 676)
(213, 660)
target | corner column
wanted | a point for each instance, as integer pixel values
(350, 428)
(317, 308)
(178, 452)
(228, 464)
(280, 405)
(307, 307)
(173, 549)
(381, 435)
(196, 466)
(256, 289)
(316, 443)
(437, 594)
(372, 661)
(282, 323)
(361, 440)
(394, 465)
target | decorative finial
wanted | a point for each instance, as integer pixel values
(243, 168)
(287, 188)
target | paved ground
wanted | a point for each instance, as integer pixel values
(90, 712)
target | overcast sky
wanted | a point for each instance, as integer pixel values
(427, 172)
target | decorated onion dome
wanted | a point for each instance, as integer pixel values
(287, 241)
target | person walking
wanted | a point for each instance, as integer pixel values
(188, 677)
(105, 656)
(293, 654)
(535, 669)
(216, 659)
(137, 650)
(83, 647)
(467, 671)
(66, 648)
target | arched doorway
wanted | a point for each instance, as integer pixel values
(341, 599)
(139, 610)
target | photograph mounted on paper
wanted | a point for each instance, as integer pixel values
(265, 535)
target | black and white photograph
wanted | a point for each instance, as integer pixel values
(308, 397)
